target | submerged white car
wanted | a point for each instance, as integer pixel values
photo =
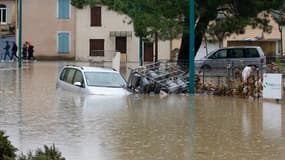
(91, 80)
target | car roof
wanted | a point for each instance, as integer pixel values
(241, 47)
(91, 69)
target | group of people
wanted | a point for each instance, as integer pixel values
(27, 52)
(13, 51)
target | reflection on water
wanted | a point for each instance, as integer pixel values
(132, 127)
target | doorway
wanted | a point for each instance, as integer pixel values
(148, 52)
(121, 46)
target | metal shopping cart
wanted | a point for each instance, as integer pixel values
(157, 77)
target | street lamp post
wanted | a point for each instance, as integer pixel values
(20, 34)
(192, 47)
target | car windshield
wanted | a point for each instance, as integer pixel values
(105, 79)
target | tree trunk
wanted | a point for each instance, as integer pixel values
(156, 47)
(200, 29)
(183, 55)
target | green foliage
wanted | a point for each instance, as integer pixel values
(7, 150)
(48, 153)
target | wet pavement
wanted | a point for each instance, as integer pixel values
(136, 127)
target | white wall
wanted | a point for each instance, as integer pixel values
(204, 48)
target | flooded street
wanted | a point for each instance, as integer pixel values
(136, 127)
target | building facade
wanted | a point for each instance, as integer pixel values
(58, 30)
(49, 25)
(100, 32)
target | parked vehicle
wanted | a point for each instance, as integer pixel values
(91, 80)
(235, 57)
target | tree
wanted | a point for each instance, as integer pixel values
(7, 150)
(170, 18)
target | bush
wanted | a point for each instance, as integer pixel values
(7, 150)
(48, 153)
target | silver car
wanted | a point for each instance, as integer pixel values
(236, 57)
(91, 80)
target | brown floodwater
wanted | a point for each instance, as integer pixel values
(135, 127)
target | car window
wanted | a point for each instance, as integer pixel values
(70, 75)
(221, 54)
(235, 53)
(104, 79)
(251, 52)
(78, 77)
(62, 75)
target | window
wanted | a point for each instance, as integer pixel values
(95, 15)
(63, 39)
(63, 75)
(251, 52)
(104, 79)
(3, 14)
(96, 47)
(235, 53)
(78, 77)
(221, 54)
(63, 9)
(70, 75)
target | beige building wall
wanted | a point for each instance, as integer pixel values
(111, 21)
(251, 34)
(41, 25)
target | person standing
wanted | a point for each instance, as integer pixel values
(31, 52)
(14, 51)
(25, 50)
(7, 48)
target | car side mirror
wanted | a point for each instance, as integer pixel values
(78, 84)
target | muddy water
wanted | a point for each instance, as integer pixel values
(136, 127)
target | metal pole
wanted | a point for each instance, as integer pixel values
(140, 56)
(20, 34)
(281, 40)
(192, 47)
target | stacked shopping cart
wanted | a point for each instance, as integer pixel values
(157, 77)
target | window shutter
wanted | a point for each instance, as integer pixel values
(95, 16)
(63, 42)
(63, 9)
(8, 12)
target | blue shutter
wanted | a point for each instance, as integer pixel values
(63, 9)
(63, 42)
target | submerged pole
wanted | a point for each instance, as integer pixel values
(20, 35)
(192, 47)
